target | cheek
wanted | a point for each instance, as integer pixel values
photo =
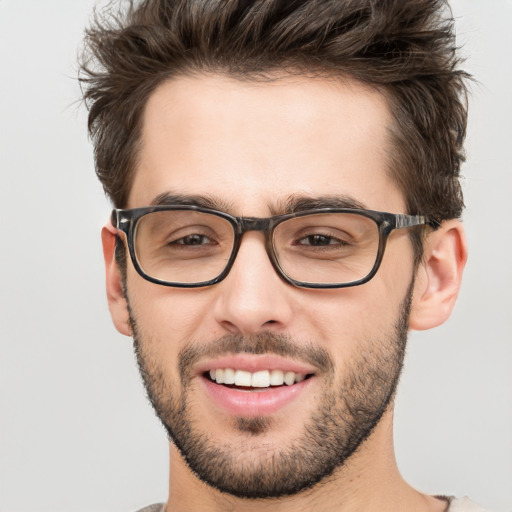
(345, 321)
(168, 316)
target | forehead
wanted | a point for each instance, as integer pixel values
(251, 145)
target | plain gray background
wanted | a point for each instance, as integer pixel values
(76, 433)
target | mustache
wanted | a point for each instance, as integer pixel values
(258, 344)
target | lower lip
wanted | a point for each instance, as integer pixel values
(261, 402)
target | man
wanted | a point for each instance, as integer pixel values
(285, 178)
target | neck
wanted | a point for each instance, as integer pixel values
(369, 481)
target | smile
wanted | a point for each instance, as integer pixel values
(247, 385)
(258, 379)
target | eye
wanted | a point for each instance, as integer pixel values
(191, 240)
(319, 240)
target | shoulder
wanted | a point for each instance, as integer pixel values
(463, 505)
(157, 507)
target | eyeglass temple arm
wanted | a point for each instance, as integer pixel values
(407, 221)
(114, 219)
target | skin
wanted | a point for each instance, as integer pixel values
(252, 146)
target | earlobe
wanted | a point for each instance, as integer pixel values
(439, 276)
(115, 296)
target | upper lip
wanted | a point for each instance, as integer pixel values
(254, 363)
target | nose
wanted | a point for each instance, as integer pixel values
(253, 298)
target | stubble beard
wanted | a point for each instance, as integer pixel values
(349, 410)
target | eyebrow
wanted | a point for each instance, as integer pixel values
(292, 204)
(205, 201)
(299, 203)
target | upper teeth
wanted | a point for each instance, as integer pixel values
(261, 379)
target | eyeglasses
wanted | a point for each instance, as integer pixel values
(192, 246)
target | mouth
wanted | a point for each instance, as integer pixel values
(247, 385)
(260, 380)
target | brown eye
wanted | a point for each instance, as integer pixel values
(319, 241)
(193, 240)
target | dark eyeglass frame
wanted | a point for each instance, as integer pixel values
(125, 220)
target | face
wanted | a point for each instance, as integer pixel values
(251, 149)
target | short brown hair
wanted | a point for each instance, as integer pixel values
(405, 48)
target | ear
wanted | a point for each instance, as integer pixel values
(439, 276)
(115, 296)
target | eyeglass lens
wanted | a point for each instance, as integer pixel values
(186, 246)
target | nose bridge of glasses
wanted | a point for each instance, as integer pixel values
(254, 224)
(262, 224)
(259, 224)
